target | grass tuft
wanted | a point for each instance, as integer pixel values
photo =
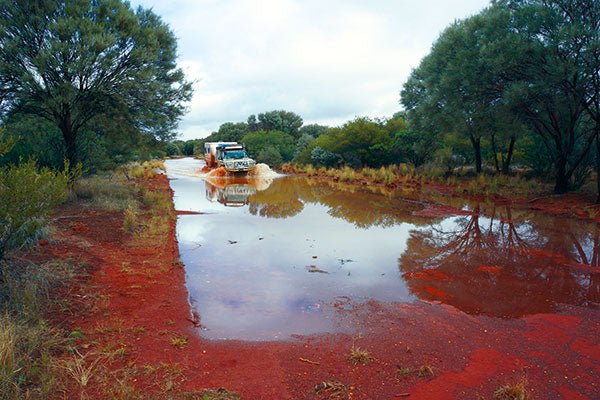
(332, 390)
(359, 356)
(426, 370)
(179, 341)
(517, 391)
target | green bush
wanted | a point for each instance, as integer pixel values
(27, 195)
(321, 156)
(262, 140)
(172, 149)
(270, 156)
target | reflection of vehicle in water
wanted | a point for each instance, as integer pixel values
(230, 195)
(230, 155)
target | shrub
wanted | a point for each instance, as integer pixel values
(320, 156)
(270, 156)
(172, 149)
(27, 195)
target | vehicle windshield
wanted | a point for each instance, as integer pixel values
(235, 154)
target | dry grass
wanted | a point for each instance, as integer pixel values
(28, 345)
(517, 391)
(500, 185)
(403, 370)
(482, 184)
(359, 356)
(331, 390)
(130, 220)
(107, 191)
(179, 341)
(81, 369)
(426, 370)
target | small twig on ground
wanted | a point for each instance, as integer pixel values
(309, 361)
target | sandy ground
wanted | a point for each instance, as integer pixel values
(135, 299)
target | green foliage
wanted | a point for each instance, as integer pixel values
(172, 149)
(517, 68)
(230, 132)
(188, 147)
(258, 141)
(359, 142)
(83, 65)
(27, 195)
(270, 156)
(321, 157)
(314, 130)
(278, 120)
(302, 144)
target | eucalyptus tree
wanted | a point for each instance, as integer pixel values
(452, 89)
(277, 120)
(76, 62)
(542, 63)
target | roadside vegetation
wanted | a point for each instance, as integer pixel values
(511, 91)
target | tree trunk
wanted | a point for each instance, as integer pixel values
(509, 155)
(477, 149)
(70, 138)
(495, 150)
(561, 178)
(598, 168)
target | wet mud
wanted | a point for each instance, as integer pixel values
(480, 295)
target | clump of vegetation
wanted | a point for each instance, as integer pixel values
(28, 345)
(359, 356)
(130, 220)
(517, 391)
(27, 195)
(108, 191)
(179, 341)
(426, 370)
(332, 390)
(403, 370)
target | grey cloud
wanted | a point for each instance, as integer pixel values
(327, 61)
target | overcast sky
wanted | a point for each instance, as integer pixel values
(326, 60)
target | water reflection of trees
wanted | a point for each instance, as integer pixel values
(280, 200)
(363, 208)
(500, 266)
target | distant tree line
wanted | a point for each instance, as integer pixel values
(515, 86)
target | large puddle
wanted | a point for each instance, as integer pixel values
(269, 258)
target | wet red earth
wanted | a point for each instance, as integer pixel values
(134, 298)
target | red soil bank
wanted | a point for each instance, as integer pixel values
(558, 354)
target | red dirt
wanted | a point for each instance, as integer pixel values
(558, 354)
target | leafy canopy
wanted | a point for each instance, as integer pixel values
(77, 62)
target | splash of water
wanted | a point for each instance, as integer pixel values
(262, 171)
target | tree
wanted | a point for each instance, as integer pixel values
(451, 86)
(278, 120)
(172, 149)
(540, 65)
(259, 141)
(230, 132)
(77, 62)
(360, 142)
(314, 130)
(302, 144)
(320, 156)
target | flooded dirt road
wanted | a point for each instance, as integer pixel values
(451, 298)
(273, 257)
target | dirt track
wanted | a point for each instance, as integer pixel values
(136, 300)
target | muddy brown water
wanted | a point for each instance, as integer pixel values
(270, 258)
